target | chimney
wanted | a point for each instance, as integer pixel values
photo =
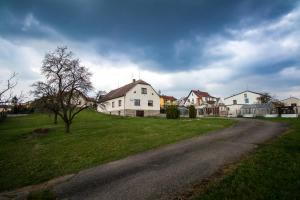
(133, 80)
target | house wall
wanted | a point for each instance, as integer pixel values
(191, 99)
(234, 109)
(240, 98)
(136, 93)
(128, 108)
(107, 107)
(292, 100)
(164, 102)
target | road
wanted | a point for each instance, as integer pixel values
(163, 172)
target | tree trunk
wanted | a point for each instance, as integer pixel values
(67, 127)
(55, 118)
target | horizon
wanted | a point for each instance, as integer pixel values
(217, 47)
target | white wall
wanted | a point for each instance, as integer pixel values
(234, 110)
(240, 101)
(108, 105)
(240, 98)
(127, 101)
(136, 93)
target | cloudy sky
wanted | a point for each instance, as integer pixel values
(218, 46)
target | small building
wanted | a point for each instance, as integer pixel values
(134, 99)
(293, 102)
(259, 110)
(167, 101)
(235, 102)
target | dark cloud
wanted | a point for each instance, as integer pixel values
(143, 29)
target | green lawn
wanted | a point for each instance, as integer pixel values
(273, 172)
(26, 159)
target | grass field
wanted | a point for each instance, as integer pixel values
(273, 172)
(95, 138)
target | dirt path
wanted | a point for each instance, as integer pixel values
(163, 172)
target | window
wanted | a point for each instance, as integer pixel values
(120, 103)
(137, 102)
(113, 104)
(247, 100)
(245, 95)
(294, 104)
(144, 90)
(150, 103)
(234, 102)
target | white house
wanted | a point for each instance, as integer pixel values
(292, 101)
(204, 103)
(236, 101)
(134, 99)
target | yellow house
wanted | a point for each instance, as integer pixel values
(167, 101)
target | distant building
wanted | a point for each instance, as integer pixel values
(181, 101)
(294, 102)
(205, 104)
(235, 102)
(167, 101)
(260, 109)
(134, 99)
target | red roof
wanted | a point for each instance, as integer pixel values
(201, 94)
(171, 98)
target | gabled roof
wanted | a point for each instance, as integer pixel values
(120, 92)
(290, 98)
(171, 98)
(244, 92)
(200, 93)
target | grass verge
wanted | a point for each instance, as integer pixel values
(273, 172)
(28, 158)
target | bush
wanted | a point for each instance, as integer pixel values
(172, 112)
(2, 116)
(192, 112)
(21, 109)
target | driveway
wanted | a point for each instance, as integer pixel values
(163, 172)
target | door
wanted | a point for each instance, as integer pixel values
(140, 113)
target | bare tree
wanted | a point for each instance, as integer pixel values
(5, 92)
(66, 82)
(264, 98)
(46, 98)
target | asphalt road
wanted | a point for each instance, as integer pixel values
(163, 172)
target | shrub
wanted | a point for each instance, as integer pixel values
(2, 116)
(192, 111)
(172, 112)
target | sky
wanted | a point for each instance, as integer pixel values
(219, 46)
